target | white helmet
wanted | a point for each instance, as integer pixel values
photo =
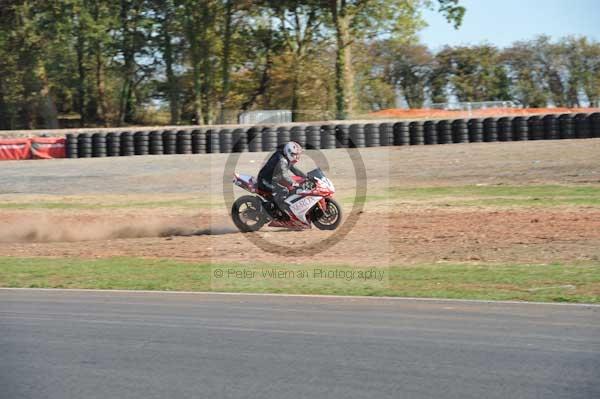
(292, 151)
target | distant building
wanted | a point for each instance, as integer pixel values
(261, 117)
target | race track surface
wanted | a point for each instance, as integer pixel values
(60, 344)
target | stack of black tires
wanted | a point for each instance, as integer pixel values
(205, 140)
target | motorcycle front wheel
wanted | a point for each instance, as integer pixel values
(330, 219)
(248, 214)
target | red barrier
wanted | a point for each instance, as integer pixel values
(13, 149)
(37, 148)
(48, 147)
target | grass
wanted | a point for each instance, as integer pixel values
(502, 196)
(578, 282)
(85, 205)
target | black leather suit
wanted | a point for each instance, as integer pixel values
(276, 176)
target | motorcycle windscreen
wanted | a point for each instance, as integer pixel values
(316, 173)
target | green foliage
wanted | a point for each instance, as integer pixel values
(120, 62)
(475, 73)
(536, 73)
(396, 20)
(543, 72)
(402, 65)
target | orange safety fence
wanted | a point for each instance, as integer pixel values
(476, 113)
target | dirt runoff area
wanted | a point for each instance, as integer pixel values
(519, 202)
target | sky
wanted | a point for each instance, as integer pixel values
(501, 22)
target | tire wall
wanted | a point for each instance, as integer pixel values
(357, 136)
(225, 141)
(184, 142)
(169, 142)
(127, 143)
(328, 137)
(595, 124)
(443, 129)
(199, 141)
(550, 127)
(239, 139)
(71, 146)
(84, 146)
(490, 130)
(505, 130)
(298, 134)
(113, 144)
(520, 129)
(417, 136)
(342, 136)
(99, 145)
(386, 134)
(460, 131)
(313, 137)
(475, 127)
(430, 133)
(156, 143)
(141, 143)
(205, 140)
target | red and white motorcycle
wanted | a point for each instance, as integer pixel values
(311, 203)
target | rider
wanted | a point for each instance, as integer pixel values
(276, 175)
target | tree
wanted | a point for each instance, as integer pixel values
(590, 79)
(119, 62)
(552, 60)
(407, 67)
(33, 32)
(527, 75)
(236, 13)
(168, 41)
(135, 30)
(583, 66)
(439, 78)
(11, 92)
(300, 23)
(476, 73)
(263, 42)
(356, 19)
(102, 21)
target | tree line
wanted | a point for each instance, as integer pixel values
(534, 73)
(118, 62)
(122, 62)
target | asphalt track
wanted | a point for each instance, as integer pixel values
(74, 344)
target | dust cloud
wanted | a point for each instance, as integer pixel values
(46, 230)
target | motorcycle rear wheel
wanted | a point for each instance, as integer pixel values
(330, 219)
(248, 214)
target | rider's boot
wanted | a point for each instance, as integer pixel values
(279, 199)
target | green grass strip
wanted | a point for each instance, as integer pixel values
(578, 282)
(472, 195)
(508, 196)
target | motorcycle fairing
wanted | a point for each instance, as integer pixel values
(245, 181)
(293, 224)
(301, 205)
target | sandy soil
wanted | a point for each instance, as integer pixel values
(387, 233)
(406, 237)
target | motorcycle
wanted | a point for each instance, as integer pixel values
(310, 203)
